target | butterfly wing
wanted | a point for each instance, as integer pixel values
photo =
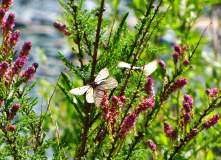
(123, 65)
(126, 65)
(104, 73)
(98, 96)
(79, 90)
(90, 95)
(150, 67)
(109, 83)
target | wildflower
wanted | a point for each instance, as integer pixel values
(212, 92)
(11, 128)
(185, 47)
(162, 64)
(167, 129)
(175, 57)
(19, 64)
(29, 72)
(104, 106)
(151, 144)
(15, 108)
(2, 15)
(149, 87)
(25, 49)
(192, 134)
(207, 91)
(8, 75)
(180, 83)
(14, 39)
(127, 125)
(212, 121)
(186, 62)
(144, 106)
(14, 111)
(114, 114)
(123, 99)
(119, 100)
(9, 24)
(188, 99)
(177, 49)
(6, 4)
(174, 135)
(62, 27)
(4, 66)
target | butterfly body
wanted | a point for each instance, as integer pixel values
(148, 69)
(95, 91)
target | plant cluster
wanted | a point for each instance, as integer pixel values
(138, 112)
(132, 109)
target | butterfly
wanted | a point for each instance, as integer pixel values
(148, 69)
(95, 91)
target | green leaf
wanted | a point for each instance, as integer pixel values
(210, 155)
(70, 65)
(67, 80)
(119, 30)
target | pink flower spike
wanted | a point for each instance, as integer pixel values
(29, 72)
(149, 87)
(9, 24)
(144, 106)
(4, 66)
(6, 4)
(26, 48)
(162, 64)
(151, 144)
(2, 16)
(19, 64)
(192, 134)
(186, 62)
(175, 57)
(11, 128)
(211, 122)
(128, 124)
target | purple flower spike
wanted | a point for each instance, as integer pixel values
(162, 64)
(29, 72)
(144, 106)
(180, 83)
(167, 129)
(212, 121)
(9, 24)
(175, 57)
(151, 144)
(6, 4)
(192, 134)
(4, 66)
(25, 49)
(212, 92)
(149, 87)
(15, 108)
(2, 15)
(62, 27)
(186, 62)
(11, 128)
(19, 64)
(127, 125)
(15, 38)
(177, 49)
(174, 135)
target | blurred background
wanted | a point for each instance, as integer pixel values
(184, 24)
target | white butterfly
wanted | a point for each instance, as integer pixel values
(95, 91)
(148, 69)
